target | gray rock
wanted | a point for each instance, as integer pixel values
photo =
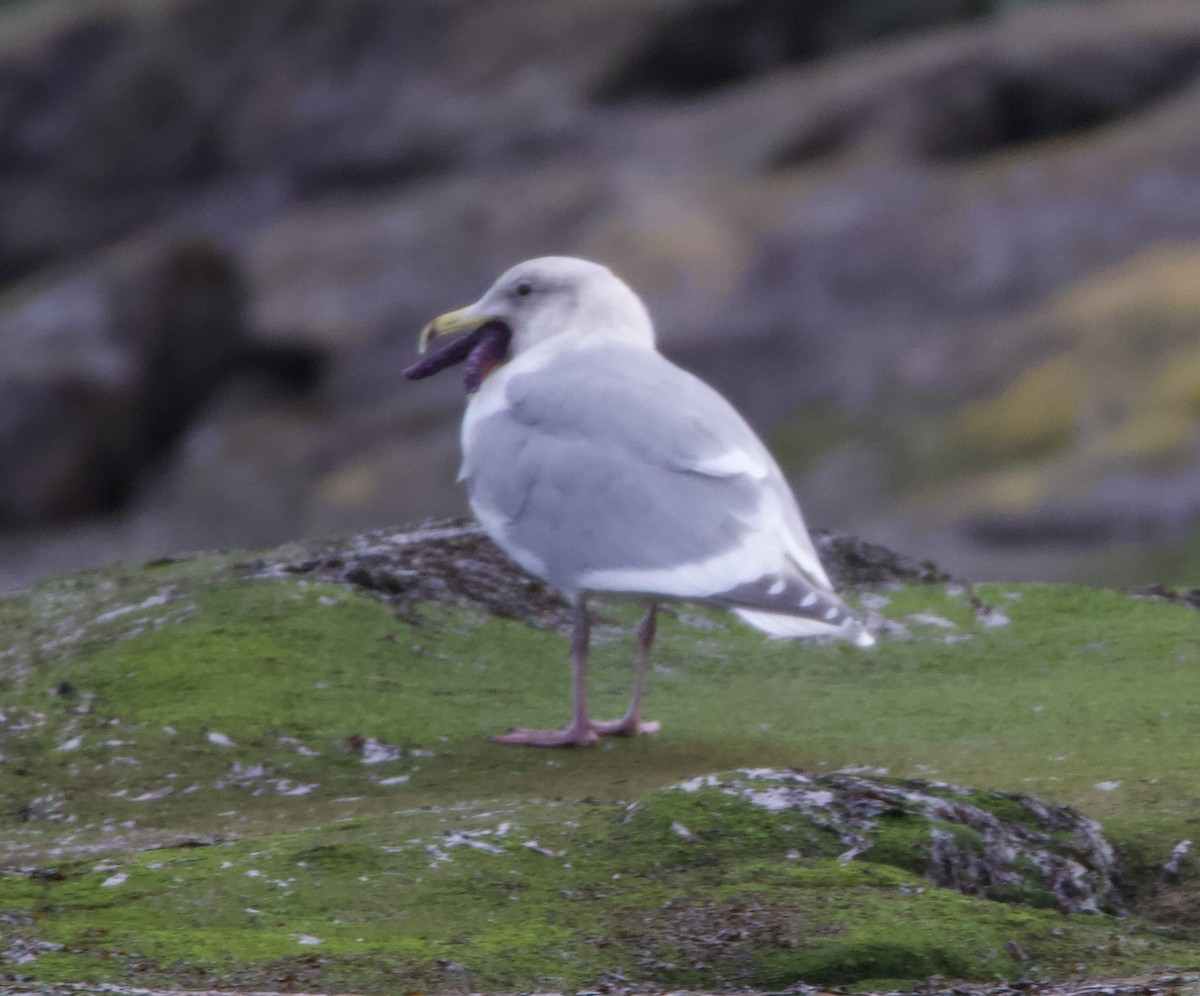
(106, 370)
(819, 211)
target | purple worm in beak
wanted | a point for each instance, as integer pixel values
(491, 351)
(482, 349)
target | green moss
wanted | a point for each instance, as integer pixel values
(904, 842)
(864, 960)
(415, 871)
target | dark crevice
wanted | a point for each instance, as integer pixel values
(701, 47)
(825, 136)
(980, 109)
(988, 103)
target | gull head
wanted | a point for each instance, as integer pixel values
(554, 299)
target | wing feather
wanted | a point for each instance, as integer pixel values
(611, 469)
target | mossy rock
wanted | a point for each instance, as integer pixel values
(249, 772)
(1001, 845)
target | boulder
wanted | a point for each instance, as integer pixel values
(67, 446)
(105, 370)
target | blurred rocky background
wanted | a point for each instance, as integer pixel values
(944, 253)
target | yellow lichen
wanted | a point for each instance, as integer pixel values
(1160, 285)
(1179, 381)
(1158, 437)
(1036, 413)
(1127, 383)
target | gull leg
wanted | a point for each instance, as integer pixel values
(631, 724)
(579, 731)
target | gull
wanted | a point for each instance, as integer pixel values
(604, 469)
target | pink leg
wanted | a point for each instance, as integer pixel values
(579, 731)
(631, 724)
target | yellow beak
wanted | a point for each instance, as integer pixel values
(453, 321)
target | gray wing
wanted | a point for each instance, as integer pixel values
(610, 463)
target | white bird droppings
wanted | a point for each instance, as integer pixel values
(929, 619)
(153, 794)
(1178, 853)
(377, 752)
(992, 618)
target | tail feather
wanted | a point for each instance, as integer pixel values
(790, 605)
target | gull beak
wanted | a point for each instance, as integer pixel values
(462, 320)
(482, 348)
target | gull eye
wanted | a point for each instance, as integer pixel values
(524, 288)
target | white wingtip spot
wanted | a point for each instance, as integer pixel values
(777, 587)
(809, 600)
(731, 463)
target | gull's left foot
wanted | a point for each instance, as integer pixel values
(629, 726)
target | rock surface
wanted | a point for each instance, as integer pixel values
(1037, 851)
(859, 225)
